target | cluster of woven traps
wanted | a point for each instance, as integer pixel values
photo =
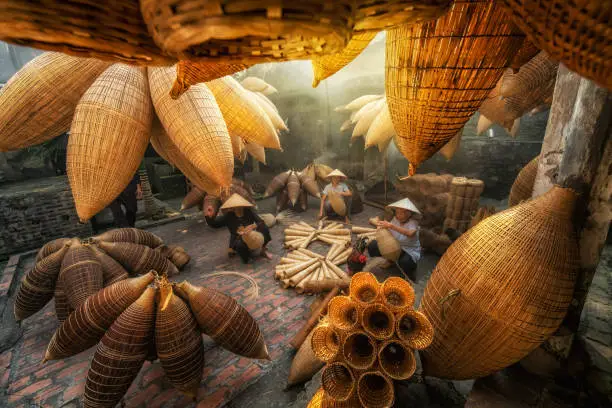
(300, 235)
(70, 271)
(294, 187)
(368, 340)
(197, 197)
(133, 321)
(463, 203)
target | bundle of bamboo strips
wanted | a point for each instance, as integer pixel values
(300, 235)
(306, 271)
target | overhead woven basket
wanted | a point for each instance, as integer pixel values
(576, 33)
(438, 73)
(381, 15)
(190, 73)
(250, 32)
(38, 102)
(522, 188)
(502, 288)
(109, 30)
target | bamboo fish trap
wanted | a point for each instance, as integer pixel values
(252, 32)
(522, 188)
(518, 269)
(112, 31)
(121, 93)
(189, 73)
(431, 83)
(586, 43)
(38, 102)
(383, 15)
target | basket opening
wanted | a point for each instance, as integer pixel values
(351, 315)
(338, 381)
(359, 351)
(375, 391)
(394, 354)
(407, 325)
(379, 321)
(395, 298)
(366, 294)
(362, 346)
(396, 361)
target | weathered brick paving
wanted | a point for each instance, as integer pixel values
(279, 312)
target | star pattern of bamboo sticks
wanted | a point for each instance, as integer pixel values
(300, 235)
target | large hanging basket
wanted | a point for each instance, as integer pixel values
(502, 288)
(522, 188)
(109, 30)
(254, 31)
(576, 33)
(381, 15)
(438, 73)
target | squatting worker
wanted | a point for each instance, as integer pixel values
(129, 199)
(338, 186)
(238, 212)
(405, 228)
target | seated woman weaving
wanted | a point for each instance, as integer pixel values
(338, 187)
(240, 218)
(405, 229)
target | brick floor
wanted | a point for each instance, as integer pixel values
(279, 312)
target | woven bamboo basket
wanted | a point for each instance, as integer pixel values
(321, 171)
(396, 360)
(359, 350)
(61, 306)
(255, 84)
(518, 269)
(322, 400)
(178, 256)
(195, 125)
(325, 342)
(343, 313)
(121, 353)
(364, 288)
(381, 130)
(88, 323)
(378, 321)
(133, 235)
(271, 111)
(178, 342)
(223, 319)
(194, 197)
(137, 258)
(305, 364)
(166, 148)
(327, 65)
(256, 151)
(337, 203)
(190, 73)
(38, 285)
(527, 51)
(338, 381)
(586, 44)
(370, 111)
(278, 182)
(293, 187)
(112, 31)
(522, 188)
(397, 294)
(38, 102)
(251, 32)
(309, 185)
(433, 90)
(388, 245)
(282, 200)
(414, 329)
(536, 73)
(96, 178)
(81, 273)
(112, 271)
(253, 239)
(375, 390)
(51, 247)
(242, 113)
(382, 15)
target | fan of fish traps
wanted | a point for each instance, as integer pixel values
(367, 341)
(291, 188)
(70, 270)
(150, 318)
(309, 272)
(302, 234)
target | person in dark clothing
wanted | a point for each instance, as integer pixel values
(129, 199)
(237, 212)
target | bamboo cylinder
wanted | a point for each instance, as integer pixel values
(38, 102)
(396, 360)
(325, 342)
(96, 179)
(364, 288)
(298, 277)
(343, 313)
(325, 285)
(359, 350)
(338, 381)
(397, 294)
(378, 321)
(339, 272)
(375, 390)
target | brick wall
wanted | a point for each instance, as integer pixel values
(37, 211)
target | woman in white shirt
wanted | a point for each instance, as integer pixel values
(405, 228)
(337, 186)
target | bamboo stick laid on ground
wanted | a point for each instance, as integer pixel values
(298, 277)
(324, 285)
(309, 253)
(339, 272)
(362, 230)
(299, 338)
(293, 231)
(333, 251)
(298, 255)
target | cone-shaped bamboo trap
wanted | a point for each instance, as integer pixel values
(522, 188)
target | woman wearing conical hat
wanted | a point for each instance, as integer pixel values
(405, 229)
(239, 216)
(338, 186)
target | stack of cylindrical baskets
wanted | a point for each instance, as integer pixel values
(463, 203)
(367, 341)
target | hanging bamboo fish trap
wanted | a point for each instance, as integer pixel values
(189, 73)
(112, 31)
(381, 130)
(195, 125)
(251, 32)
(438, 73)
(586, 43)
(271, 111)
(38, 102)
(518, 269)
(522, 188)
(96, 179)
(382, 15)
(255, 84)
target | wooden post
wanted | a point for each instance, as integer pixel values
(386, 174)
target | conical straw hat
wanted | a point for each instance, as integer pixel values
(406, 204)
(234, 201)
(336, 173)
